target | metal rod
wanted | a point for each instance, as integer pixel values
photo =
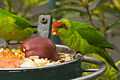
(96, 72)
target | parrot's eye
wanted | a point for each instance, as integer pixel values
(43, 20)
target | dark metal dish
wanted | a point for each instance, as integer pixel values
(65, 71)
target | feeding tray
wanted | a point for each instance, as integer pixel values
(64, 71)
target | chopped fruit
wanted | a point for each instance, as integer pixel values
(10, 58)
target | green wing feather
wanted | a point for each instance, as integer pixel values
(82, 37)
(74, 40)
(89, 33)
(13, 27)
(19, 21)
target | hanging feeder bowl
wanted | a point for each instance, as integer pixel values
(65, 71)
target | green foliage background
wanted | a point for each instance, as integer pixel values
(96, 12)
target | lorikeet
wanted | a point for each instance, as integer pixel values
(84, 38)
(55, 34)
(13, 27)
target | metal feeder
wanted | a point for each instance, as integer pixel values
(66, 71)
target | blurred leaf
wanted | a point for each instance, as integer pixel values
(24, 7)
(116, 24)
(117, 3)
(102, 8)
(30, 3)
(8, 4)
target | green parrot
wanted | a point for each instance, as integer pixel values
(84, 38)
(13, 27)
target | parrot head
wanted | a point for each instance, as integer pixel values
(56, 25)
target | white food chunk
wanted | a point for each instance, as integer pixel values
(28, 63)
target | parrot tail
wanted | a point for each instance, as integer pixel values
(108, 58)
